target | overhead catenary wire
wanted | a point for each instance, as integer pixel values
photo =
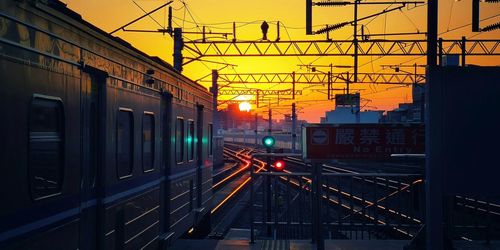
(349, 37)
(371, 61)
(240, 24)
(451, 14)
(442, 33)
(152, 18)
(186, 7)
(419, 57)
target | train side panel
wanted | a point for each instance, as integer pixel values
(93, 148)
(132, 202)
(41, 153)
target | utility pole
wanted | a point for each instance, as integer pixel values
(329, 86)
(330, 82)
(294, 127)
(358, 114)
(463, 51)
(434, 160)
(178, 46)
(215, 91)
(347, 83)
(432, 32)
(355, 40)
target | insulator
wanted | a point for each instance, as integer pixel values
(492, 1)
(491, 27)
(332, 3)
(333, 27)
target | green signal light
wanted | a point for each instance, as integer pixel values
(268, 141)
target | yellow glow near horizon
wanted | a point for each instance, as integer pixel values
(219, 15)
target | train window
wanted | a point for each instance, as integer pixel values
(148, 142)
(210, 138)
(190, 140)
(124, 142)
(179, 140)
(46, 146)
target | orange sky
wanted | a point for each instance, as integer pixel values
(218, 15)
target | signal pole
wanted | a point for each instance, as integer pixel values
(270, 122)
(268, 179)
(256, 127)
(294, 127)
(268, 142)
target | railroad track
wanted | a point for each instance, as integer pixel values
(365, 209)
(238, 173)
(230, 197)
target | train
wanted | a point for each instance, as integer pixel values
(102, 145)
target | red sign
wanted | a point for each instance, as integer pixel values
(361, 141)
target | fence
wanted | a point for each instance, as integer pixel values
(319, 205)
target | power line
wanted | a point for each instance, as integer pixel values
(148, 14)
(197, 25)
(442, 33)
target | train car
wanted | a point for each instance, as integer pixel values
(102, 146)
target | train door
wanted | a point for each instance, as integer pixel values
(93, 115)
(199, 154)
(167, 154)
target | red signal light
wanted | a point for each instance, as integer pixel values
(279, 165)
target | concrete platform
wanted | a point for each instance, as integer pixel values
(243, 244)
(466, 245)
(288, 245)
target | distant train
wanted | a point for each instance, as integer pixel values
(102, 146)
(283, 141)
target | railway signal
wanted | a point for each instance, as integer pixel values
(268, 142)
(279, 165)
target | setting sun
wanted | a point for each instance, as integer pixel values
(245, 106)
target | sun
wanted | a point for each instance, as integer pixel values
(245, 106)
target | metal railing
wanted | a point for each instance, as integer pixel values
(293, 205)
(472, 218)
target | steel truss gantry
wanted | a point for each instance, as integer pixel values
(318, 78)
(259, 92)
(340, 48)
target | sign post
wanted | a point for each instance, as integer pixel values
(317, 192)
